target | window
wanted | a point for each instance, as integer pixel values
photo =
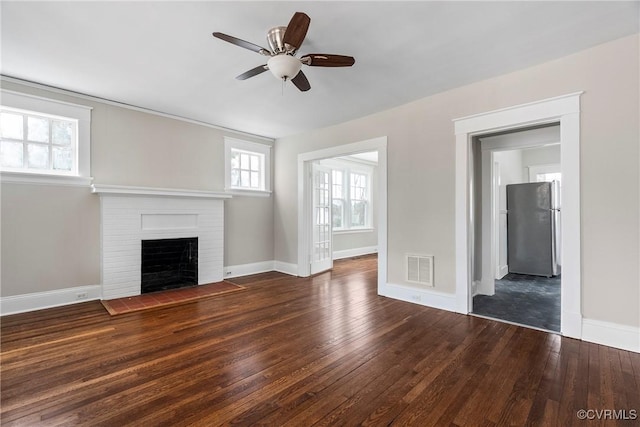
(37, 142)
(351, 197)
(548, 172)
(247, 166)
(40, 136)
(548, 177)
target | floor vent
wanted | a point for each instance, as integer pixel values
(420, 269)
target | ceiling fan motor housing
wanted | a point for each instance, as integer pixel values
(275, 38)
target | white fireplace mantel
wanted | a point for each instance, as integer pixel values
(130, 215)
(124, 190)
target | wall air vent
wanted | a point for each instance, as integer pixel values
(420, 269)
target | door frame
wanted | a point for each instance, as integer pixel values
(304, 200)
(566, 111)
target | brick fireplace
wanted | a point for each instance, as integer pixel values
(130, 215)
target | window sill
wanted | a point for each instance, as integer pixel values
(354, 230)
(250, 193)
(44, 179)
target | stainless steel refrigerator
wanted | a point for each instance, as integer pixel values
(533, 222)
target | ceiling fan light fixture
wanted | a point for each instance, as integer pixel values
(284, 66)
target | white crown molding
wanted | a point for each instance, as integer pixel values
(128, 106)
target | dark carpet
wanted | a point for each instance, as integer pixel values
(524, 299)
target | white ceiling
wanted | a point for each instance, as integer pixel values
(161, 55)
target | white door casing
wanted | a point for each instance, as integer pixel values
(565, 110)
(304, 201)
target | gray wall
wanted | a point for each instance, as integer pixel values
(51, 234)
(421, 171)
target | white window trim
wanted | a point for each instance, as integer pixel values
(362, 167)
(353, 230)
(238, 144)
(38, 104)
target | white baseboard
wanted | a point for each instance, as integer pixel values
(247, 269)
(503, 270)
(611, 334)
(571, 324)
(286, 268)
(349, 253)
(260, 267)
(486, 286)
(422, 296)
(41, 300)
(474, 288)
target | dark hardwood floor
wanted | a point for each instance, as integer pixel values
(301, 352)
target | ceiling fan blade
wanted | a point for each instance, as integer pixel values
(296, 30)
(301, 82)
(253, 72)
(242, 43)
(326, 60)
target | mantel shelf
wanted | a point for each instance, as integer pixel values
(123, 190)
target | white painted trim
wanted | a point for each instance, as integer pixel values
(247, 269)
(475, 285)
(348, 253)
(27, 101)
(422, 296)
(248, 193)
(503, 270)
(611, 334)
(260, 267)
(123, 190)
(41, 300)
(54, 107)
(44, 179)
(566, 110)
(254, 147)
(128, 106)
(285, 267)
(531, 112)
(304, 159)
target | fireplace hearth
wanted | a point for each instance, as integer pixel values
(169, 264)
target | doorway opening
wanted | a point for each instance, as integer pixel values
(517, 263)
(342, 187)
(344, 208)
(564, 110)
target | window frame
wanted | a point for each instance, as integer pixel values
(32, 105)
(348, 167)
(263, 150)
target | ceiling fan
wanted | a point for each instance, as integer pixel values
(284, 42)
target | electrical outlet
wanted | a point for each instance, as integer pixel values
(81, 296)
(416, 297)
(228, 273)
